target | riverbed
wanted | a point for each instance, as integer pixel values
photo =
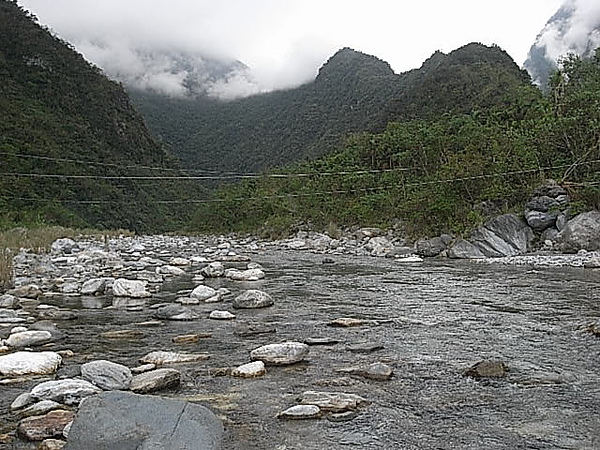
(429, 321)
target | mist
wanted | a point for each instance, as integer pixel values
(233, 48)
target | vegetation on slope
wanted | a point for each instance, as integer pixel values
(63, 118)
(353, 92)
(438, 174)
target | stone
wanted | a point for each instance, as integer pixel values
(155, 380)
(160, 358)
(221, 315)
(50, 312)
(52, 444)
(430, 247)
(375, 371)
(63, 245)
(170, 270)
(186, 339)
(68, 391)
(32, 291)
(463, 249)
(321, 341)
(250, 370)
(213, 270)
(365, 348)
(332, 401)
(50, 327)
(505, 235)
(23, 400)
(29, 363)
(346, 322)
(41, 408)
(301, 412)
(379, 246)
(487, 369)
(107, 375)
(281, 354)
(539, 220)
(203, 293)
(174, 312)
(178, 261)
(94, 286)
(581, 233)
(593, 263)
(51, 425)
(130, 288)
(143, 368)
(9, 301)
(253, 299)
(28, 338)
(125, 421)
(245, 275)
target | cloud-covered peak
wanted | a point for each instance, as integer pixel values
(575, 28)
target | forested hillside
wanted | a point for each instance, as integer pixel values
(445, 173)
(68, 134)
(352, 92)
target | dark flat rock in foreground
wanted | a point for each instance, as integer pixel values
(125, 421)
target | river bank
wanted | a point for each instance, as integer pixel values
(429, 320)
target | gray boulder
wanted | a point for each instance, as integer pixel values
(29, 338)
(107, 375)
(155, 380)
(252, 299)
(505, 235)
(430, 247)
(29, 363)
(463, 249)
(581, 233)
(281, 354)
(125, 421)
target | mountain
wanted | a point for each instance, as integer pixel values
(574, 28)
(69, 135)
(352, 92)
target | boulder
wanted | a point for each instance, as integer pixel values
(253, 299)
(64, 245)
(430, 247)
(250, 370)
(94, 286)
(159, 358)
(107, 375)
(245, 275)
(221, 315)
(125, 421)
(174, 312)
(68, 391)
(332, 401)
(203, 293)
(41, 408)
(38, 428)
(505, 235)
(487, 369)
(301, 412)
(213, 270)
(130, 288)
(281, 354)
(29, 363)
(28, 338)
(155, 380)
(9, 301)
(379, 246)
(463, 249)
(581, 233)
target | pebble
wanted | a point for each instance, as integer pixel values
(332, 401)
(221, 315)
(161, 357)
(281, 354)
(347, 322)
(250, 370)
(300, 412)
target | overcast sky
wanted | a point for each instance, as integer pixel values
(286, 41)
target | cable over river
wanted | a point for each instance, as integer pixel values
(429, 321)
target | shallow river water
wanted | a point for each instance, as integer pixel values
(430, 321)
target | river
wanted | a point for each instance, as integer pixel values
(430, 321)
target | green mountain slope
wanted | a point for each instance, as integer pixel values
(352, 92)
(61, 116)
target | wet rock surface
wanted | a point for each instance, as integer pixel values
(428, 320)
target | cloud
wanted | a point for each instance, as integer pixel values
(575, 29)
(281, 43)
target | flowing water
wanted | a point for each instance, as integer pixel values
(433, 320)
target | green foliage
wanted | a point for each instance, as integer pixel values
(433, 173)
(62, 116)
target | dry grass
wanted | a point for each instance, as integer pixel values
(7, 270)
